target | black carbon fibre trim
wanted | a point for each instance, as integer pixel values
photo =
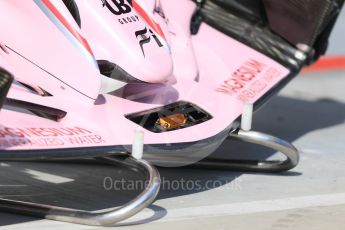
(300, 21)
(73, 9)
(6, 80)
(115, 72)
(41, 110)
(274, 28)
(251, 33)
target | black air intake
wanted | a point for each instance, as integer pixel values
(5, 84)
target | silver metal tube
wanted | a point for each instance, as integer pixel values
(97, 218)
(257, 138)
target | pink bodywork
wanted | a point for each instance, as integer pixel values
(112, 38)
(34, 36)
(211, 70)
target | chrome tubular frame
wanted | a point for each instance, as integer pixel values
(97, 218)
(264, 166)
(143, 200)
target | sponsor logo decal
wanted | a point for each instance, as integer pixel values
(118, 7)
(249, 80)
(124, 7)
(145, 38)
(130, 19)
(47, 137)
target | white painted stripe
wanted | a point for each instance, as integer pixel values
(46, 224)
(247, 207)
(13, 185)
(207, 211)
(48, 177)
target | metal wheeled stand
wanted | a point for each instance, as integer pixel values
(246, 135)
(99, 218)
(264, 166)
(103, 218)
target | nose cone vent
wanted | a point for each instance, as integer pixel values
(178, 115)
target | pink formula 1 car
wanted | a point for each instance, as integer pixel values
(147, 82)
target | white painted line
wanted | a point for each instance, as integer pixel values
(48, 177)
(26, 195)
(247, 207)
(206, 211)
(13, 185)
(47, 224)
